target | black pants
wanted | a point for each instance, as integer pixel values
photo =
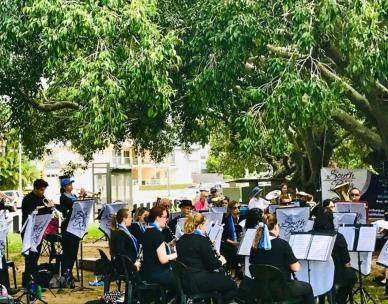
(30, 265)
(302, 289)
(213, 281)
(345, 280)
(164, 278)
(229, 251)
(70, 245)
(4, 277)
(248, 289)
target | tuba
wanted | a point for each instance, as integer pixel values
(342, 191)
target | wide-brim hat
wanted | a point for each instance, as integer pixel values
(185, 203)
(256, 191)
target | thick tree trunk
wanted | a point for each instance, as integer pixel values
(380, 110)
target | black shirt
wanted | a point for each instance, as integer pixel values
(137, 232)
(280, 256)
(66, 207)
(152, 239)
(122, 244)
(29, 204)
(196, 252)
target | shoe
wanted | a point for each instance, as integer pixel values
(378, 281)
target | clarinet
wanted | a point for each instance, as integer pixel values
(139, 256)
(174, 237)
(218, 256)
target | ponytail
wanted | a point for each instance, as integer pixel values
(269, 220)
(193, 221)
(113, 225)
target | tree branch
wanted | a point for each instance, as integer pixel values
(49, 106)
(381, 87)
(357, 98)
(349, 123)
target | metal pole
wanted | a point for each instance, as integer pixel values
(20, 165)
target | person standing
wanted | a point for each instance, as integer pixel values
(201, 203)
(70, 242)
(257, 201)
(31, 202)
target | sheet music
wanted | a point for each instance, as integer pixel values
(214, 217)
(349, 233)
(366, 261)
(214, 231)
(343, 218)
(300, 244)
(358, 208)
(383, 256)
(246, 267)
(246, 243)
(367, 239)
(320, 247)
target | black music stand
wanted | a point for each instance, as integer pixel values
(368, 245)
(82, 287)
(28, 294)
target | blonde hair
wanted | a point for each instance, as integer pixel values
(193, 221)
(271, 221)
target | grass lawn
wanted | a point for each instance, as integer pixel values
(164, 187)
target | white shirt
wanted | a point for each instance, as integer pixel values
(258, 203)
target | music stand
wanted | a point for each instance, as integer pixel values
(360, 238)
(82, 287)
(80, 216)
(314, 247)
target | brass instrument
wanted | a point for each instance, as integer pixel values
(56, 213)
(5, 198)
(342, 191)
(89, 193)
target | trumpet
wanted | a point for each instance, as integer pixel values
(56, 212)
(85, 193)
(5, 198)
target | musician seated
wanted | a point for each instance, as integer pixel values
(344, 277)
(285, 200)
(122, 242)
(195, 250)
(254, 217)
(186, 207)
(269, 249)
(257, 201)
(139, 225)
(156, 253)
(229, 245)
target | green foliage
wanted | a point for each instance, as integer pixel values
(107, 66)
(9, 168)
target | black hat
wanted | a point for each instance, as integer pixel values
(213, 189)
(185, 203)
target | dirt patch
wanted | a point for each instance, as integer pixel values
(90, 250)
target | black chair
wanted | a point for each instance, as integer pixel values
(271, 286)
(189, 290)
(138, 290)
(108, 271)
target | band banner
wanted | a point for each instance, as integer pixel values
(292, 220)
(106, 216)
(80, 217)
(33, 231)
